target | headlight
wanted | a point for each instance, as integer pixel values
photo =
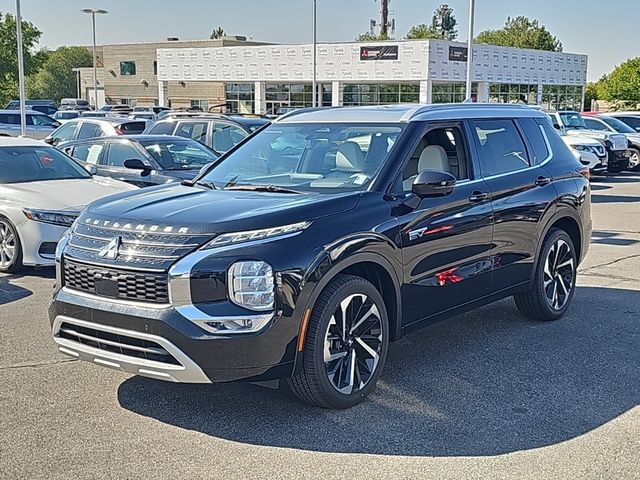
(65, 219)
(581, 148)
(239, 237)
(251, 285)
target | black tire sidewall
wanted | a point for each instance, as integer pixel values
(17, 257)
(352, 286)
(539, 279)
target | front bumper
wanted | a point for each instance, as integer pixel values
(32, 236)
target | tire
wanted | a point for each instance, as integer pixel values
(634, 159)
(553, 276)
(351, 370)
(10, 249)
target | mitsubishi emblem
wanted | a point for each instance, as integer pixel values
(112, 249)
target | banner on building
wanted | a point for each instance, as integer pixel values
(383, 52)
(458, 54)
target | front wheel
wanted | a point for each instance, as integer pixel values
(346, 345)
(10, 253)
(634, 159)
(554, 282)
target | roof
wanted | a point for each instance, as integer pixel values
(404, 113)
(109, 120)
(20, 142)
(17, 111)
(136, 138)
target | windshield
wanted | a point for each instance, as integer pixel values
(180, 155)
(572, 120)
(33, 164)
(617, 125)
(318, 157)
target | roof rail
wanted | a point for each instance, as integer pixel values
(448, 106)
(300, 110)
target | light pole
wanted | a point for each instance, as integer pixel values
(314, 87)
(470, 49)
(93, 13)
(23, 113)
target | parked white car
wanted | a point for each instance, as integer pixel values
(42, 191)
(588, 151)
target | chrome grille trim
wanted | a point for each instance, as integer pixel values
(125, 253)
(139, 242)
(152, 350)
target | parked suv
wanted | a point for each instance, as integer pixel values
(305, 262)
(87, 127)
(572, 123)
(48, 107)
(38, 127)
(78, 104)
(219, 132)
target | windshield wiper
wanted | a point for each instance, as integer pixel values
(262, 188)
(191, 183)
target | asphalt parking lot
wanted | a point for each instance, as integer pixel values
(485, 395)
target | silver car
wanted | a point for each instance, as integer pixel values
(39, 125)
(82, 128)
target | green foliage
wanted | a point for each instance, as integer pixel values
(521, 32)
(56, 79)
(443, 26)
(623, 84)
(590, 93)
(368, 37)
(9, 57)
(217, 33)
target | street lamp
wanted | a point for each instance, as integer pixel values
(23, 113)
(315, 64)
(472, 4)
(95, 66)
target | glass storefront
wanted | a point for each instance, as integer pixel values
(280, 96)
(240, 97)
(450, 92)
(513, 93)
(562, 97)
(380, 93)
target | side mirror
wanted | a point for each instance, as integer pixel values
(92, 169)
(433, 183)
(50, 141)
(55, 124)
(136, 164)
(557, 126)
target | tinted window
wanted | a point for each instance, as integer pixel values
(89, 130)
(132, 128)
(536, 140)
(633, 122)
(162, 128)
(180, 154)
(617, 125)
(127, 68)
(88, 153)
(594, 124)
(226, 136)
(65, 132)
(31, 164)
(558, 147)
(500, 146)
(10, 119)
(42, 121)
(119, 152)
(194, 130)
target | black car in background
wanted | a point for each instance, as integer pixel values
(142, 160)
(219, 132)
(304, 251)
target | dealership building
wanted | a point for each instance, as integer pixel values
(262, 78)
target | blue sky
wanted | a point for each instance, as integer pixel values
(605, 30)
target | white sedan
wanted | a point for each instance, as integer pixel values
(42, 191)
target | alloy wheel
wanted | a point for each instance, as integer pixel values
(353, 344)
(7, 244)
(634, 159)
(559, 274)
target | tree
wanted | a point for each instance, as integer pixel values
(56, 79)
(623, 84)
(371, 37)
(443, 26)
(521, 32)
(217, 33)
(590, 94)
(9, 57)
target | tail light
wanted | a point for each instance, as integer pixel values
(584, 171)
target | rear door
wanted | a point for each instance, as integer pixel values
(522, 192)
(88, 130)
(112, 163)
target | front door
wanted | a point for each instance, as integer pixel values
(112, 164)
(446, 241)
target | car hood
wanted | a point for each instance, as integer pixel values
(580, 140)
(66, 194)
(217, 211)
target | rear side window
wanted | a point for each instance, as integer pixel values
(558, 147)
(500, 146)
(532, 131)
(194, 130)
(132, 128)
(88, 153)
(162, 128)
(89, 130)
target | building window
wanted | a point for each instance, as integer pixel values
(451, 92)
(240, 97)
(562, 97)
(513, 93)
(132, 102)
(380, 93)
(128, 68)
(285, 95)
(200, 105)
(155, 68)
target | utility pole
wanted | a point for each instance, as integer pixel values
(314, 87)
(472, 6)
(384, 19)
(23, 113)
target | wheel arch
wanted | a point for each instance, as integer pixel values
(568, 221)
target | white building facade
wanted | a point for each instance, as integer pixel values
(264, 79)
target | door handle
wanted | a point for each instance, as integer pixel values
(478, 196)
(542, 181)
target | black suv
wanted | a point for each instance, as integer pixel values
(311, 245)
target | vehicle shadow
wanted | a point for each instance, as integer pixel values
(596, 198)
(625, 177)
(10, 292)
(484, 383)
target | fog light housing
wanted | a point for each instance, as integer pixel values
(251, 285)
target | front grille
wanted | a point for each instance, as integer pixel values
(116, 283)
(114, 343)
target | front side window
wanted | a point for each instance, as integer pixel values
(617, 125)
(41, 121)
(65, 133)
(593, 124)
(315, 157)
(226, 136)
(500, 146)
(89, 130)
(194, 130)
(34, 164)
(119, 152)
(127, 68)
(88, 153)
(633, 122)
(162, 128)
(180, 155)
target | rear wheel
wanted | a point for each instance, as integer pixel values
(10, 251)
(634, 159)
(346, 345)
(554, 282)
